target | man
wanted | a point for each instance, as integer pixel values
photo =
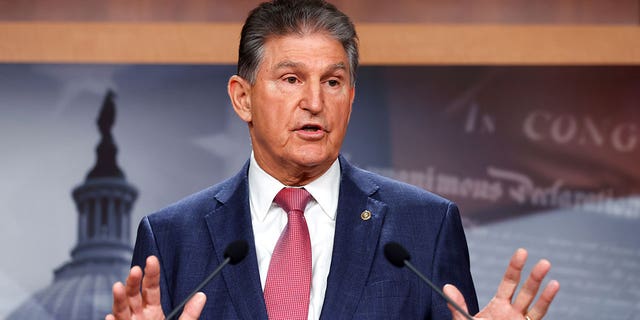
(294, 89)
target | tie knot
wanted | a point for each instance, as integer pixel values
(292, 199)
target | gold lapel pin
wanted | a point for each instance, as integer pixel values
(365, 215)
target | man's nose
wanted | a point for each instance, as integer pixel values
(312, 97)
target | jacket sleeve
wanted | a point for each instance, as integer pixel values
(451, 264)
(146, 246)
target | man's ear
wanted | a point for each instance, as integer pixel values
(239, 91)
(352, 95)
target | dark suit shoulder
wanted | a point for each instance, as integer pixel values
(397, 193)
(199, 204)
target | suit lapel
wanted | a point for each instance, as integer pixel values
(230, 221)
(356, 239)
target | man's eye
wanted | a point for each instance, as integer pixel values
(333, 83)
(291, 80)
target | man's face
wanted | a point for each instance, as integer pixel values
(299, 106)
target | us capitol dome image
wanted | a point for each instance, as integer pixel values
(81, 287)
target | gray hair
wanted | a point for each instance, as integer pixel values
(283, 17)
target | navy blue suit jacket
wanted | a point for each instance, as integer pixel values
(189, 238)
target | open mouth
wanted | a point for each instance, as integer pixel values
(311, 128)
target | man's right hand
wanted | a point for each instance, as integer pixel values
(132, 303)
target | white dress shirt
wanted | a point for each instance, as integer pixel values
(268, 221)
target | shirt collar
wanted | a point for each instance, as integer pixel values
(263, 189)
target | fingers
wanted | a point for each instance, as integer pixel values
(120, 307)
(132, 289)
(151, 282)
(511, 277)
(194, 307)
(542, 305)
(140, 292)
(530, 288)
(454, 294)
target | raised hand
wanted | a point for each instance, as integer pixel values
(502, 306)
(130, 302)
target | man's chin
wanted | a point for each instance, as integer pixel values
(313, 160)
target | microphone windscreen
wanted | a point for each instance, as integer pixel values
(236, 251)
(396, 254)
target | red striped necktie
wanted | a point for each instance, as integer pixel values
(288, 287)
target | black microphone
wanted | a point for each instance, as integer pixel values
(399, 257)
(233, 254)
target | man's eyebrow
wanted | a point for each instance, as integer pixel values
(336, 66)
(288, 64)
(292, 64)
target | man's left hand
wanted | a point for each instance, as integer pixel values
(502, 306)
